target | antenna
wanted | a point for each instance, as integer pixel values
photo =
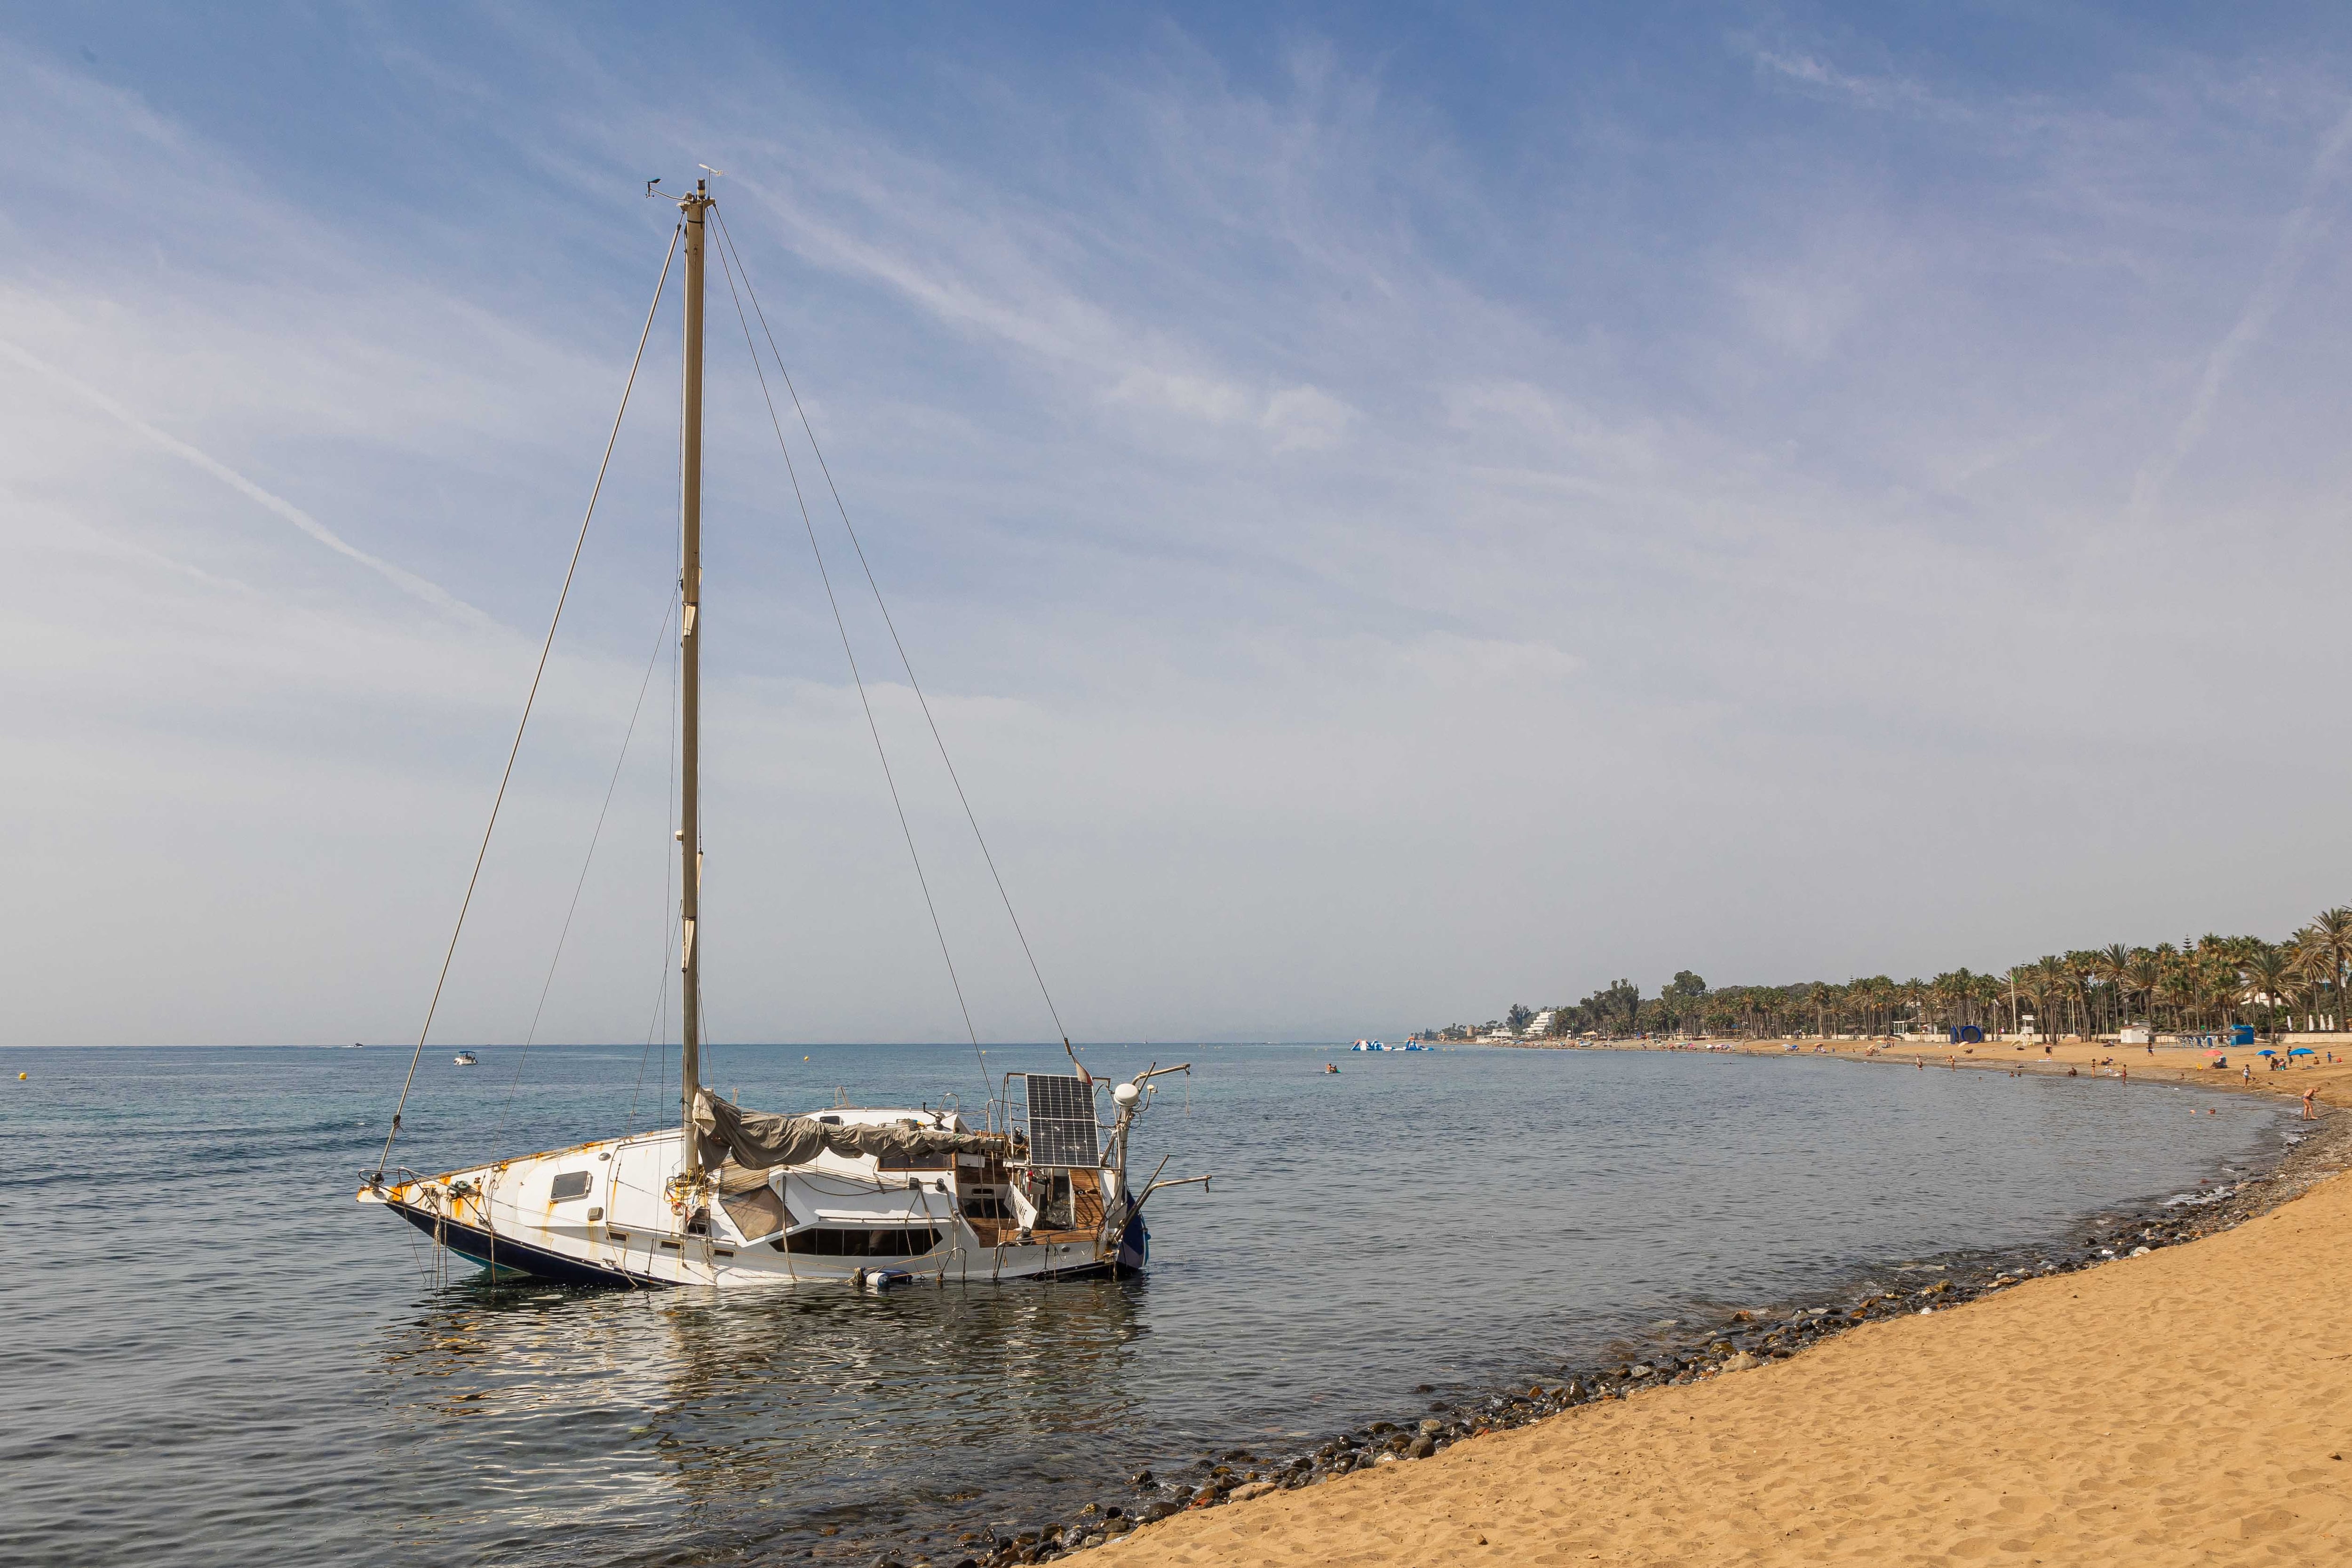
(651, 183)
(714, 174)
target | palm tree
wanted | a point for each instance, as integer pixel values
(2179, 986)
(2314, 964)
(2081, 971)
(1822, 995)
(2114, 963)
(2145, 973)
(2021, 982)
(2334, 931)
(2052, 985)
(2167, 978)
(2265, 981)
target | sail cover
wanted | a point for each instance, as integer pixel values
(761, 1139)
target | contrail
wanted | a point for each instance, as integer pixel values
(407, 581)
(2297, 235)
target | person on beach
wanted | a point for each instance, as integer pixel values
(2124, 1075)
(2248, 1070)
(2308, 1114)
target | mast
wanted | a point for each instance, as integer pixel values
(689, 828)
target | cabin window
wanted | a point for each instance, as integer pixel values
(842, 1242)
(571, 1184)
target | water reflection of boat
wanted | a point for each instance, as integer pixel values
(727, 1196)
(759, 1411)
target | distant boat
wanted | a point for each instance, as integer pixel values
(467, 1059)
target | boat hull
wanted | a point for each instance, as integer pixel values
(600, 1214)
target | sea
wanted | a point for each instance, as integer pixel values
(214, 1355)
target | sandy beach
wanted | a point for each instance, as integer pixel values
(2168, 1064)
(2190, 1405)
(2164, 1064)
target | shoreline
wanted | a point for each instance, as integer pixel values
(1702, 1353)
(2166, 1064)
(1764, 1446)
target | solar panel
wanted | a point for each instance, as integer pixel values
(1062, 1122)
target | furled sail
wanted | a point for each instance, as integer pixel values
(759, 1139)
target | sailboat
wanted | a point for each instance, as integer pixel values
(1037, 1188)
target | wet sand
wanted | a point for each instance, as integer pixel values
(2190, 1405)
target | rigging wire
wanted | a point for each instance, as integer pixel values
(841, 626)
(529, 700)
(727, 241)
(595, 838)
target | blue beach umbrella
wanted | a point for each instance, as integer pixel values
(2303, 1050)
(2266, 1053)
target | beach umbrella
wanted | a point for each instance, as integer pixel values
(2266, 1052)
(2215, 1052)
(2303, 1050)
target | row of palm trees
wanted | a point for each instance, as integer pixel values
(2202, 983)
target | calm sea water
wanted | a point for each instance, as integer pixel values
(213, 1355)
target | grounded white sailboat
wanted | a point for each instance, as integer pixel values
(731, 1197)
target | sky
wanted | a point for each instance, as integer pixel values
(1396, 510)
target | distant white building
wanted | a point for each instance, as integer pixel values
(1539, 1025)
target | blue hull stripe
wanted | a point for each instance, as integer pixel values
(469, 1242)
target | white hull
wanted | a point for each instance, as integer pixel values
(602, 1213)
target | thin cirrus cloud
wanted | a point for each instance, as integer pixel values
(1386, 530)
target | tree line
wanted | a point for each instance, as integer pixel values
(2201, 983)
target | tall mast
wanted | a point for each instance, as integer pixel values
(689, 828)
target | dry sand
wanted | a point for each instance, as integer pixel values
(2191, 1405)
